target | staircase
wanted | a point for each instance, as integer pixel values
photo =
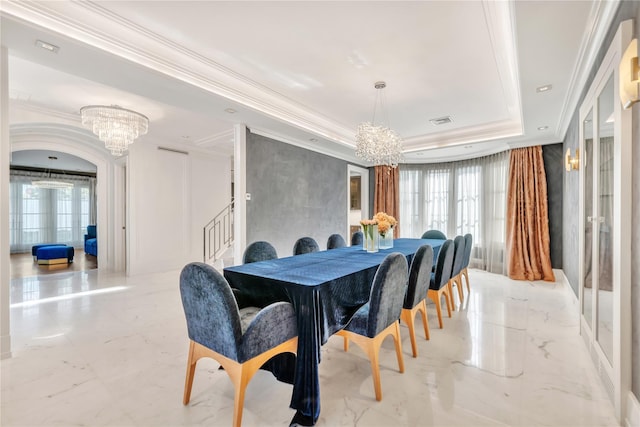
(218, 237)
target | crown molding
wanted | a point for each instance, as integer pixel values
(468, 135)
(600, 19)
(215, 139)
(40, 109)
(346, 155)
(94, 25)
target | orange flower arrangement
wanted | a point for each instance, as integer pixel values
(385, 223)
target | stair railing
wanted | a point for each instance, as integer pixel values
(218, 234)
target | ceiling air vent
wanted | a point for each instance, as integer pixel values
(441, 121)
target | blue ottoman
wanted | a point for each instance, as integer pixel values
(49, 255)
(35, 248)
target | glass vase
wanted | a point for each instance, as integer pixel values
(386, 241)
(371, 236)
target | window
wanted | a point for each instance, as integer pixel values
(40, 215)
(459, 198)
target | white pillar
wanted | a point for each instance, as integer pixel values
(240, 187)
(5, 153)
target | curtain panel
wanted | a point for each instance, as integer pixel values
(528, 217)
(387, 194)
(457, 198)
(38, 215)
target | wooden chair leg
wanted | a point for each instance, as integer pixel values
(458, 281)
(375, 368)
(466, 276)
(448, 299)
(422, 308)
(435, 297)
(371, 347)
(239, 373)
(398, 342)
(191, 370)
(407, 318)
(450, 292)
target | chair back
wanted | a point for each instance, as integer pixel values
(419, 276)
(468, 245)
(91, 231)
(444, 265)
(336, 241)
(387, 293)
(434, 234)
(458, 255)
(305, 245)
(259, 251)
(357, 238)
(213, 319)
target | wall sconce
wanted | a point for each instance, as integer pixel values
(629, 75)
(572, 163)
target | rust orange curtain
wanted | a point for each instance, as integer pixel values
(528, 217)
(387, 193)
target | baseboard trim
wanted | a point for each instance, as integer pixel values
(562, 279)
(632, 418)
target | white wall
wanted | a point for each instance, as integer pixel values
(171, 198)
(5, 152)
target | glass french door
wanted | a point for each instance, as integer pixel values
(605, 193)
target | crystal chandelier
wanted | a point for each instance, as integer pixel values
(115, 126)
(50, 183)
(378, 144)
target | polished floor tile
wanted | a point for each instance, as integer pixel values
(106, 350)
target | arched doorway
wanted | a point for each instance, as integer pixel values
(109, 187)
(52, 200)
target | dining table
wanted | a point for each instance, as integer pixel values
(325, 288)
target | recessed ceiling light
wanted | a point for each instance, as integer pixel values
(543, 127)
(313, 139)
(468, 146)
(230, 110)
(47, 46)
(420, 154)
(544, 88)
(441, 120)
(185, 137)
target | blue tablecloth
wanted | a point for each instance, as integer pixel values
(326, 288)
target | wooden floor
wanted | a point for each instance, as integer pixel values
(23, 265)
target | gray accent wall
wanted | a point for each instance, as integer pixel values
(627, 10)
(294, 193)
(553, 168)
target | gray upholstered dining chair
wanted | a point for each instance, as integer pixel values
(456, 268)
(415, 298)
(434, 234)
(379, 317)
(468, 245)
(357, 238)
(305, 245)
(336, 241)
(440, 279)
(259, 251)
(240, 340)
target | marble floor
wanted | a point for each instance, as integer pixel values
(105, 350)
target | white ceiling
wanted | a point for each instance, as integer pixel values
(304, 71)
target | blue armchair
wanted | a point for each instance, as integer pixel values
(91, 240)
(240, 340)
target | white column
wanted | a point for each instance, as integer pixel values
(240, 186)
(5, 153)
